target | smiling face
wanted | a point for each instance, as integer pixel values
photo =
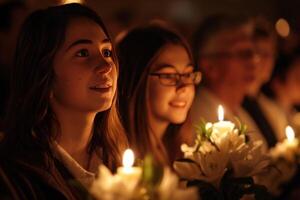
(85, 73)
(170, 103)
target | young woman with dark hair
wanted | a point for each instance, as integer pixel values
(62, 120)
(156, 89)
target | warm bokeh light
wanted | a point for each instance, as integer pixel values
(128, 158)
(72, 1)
(220, 113)
(290, 134)
(282, 27)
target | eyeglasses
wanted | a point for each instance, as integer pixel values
(173, 79)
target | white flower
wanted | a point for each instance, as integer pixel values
(169, 188)
(209, 167)
(187, 150)
(248, 160)
(112, 187)
(236, 140)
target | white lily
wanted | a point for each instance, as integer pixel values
(248, 160)
(169, 188)
(112, 187)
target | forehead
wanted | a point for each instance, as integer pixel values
(228, 39)
(172, 52)
(83, 28)
(174, 55)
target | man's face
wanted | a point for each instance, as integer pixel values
(265, 47)
(232, 59)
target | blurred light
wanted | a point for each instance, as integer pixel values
(72, 1)
(282, 27)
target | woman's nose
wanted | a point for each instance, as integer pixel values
(181, 87)
(104, 68)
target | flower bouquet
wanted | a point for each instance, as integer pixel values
(222, 162)
(139, 183)
(285, 160)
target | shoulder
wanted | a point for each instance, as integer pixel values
(21, 180)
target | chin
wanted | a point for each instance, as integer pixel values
(179, 119)
(103, 107)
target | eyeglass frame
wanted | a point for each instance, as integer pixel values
(178, 77)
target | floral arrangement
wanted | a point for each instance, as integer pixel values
(223, 161)
(285, 160)
(139, 183)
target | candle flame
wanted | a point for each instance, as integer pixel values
(128, 158)
(72, 1)
(220, 113)
(290, 134)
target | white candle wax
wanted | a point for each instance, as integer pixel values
(223, 126)
(128, 172)
(291, 141)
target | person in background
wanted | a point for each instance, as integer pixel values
(225, 53)
(156, 90)
(12, 15)
(256, 103)
(62, 120)
(283, 89)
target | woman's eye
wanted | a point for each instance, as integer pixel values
(106, 53)
(169, 76)
(82, 53)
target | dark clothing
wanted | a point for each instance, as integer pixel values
(36, 178)
(4, 95)
(256, 113)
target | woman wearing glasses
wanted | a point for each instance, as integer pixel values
(156, 90)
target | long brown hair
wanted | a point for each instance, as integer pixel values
(136, 52)
(30, 117)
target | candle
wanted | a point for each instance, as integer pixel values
(287, 148)
(223, 126)
(291, 142)
(128, 172)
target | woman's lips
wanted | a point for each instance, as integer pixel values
(102, 87)
(178, 104)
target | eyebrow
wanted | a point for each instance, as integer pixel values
(165, 65)
(86, 41)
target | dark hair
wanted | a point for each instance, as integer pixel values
(263, 29)
(30, 117)
(283, 64)
(136, 52)
(213, 25)
(6, 10)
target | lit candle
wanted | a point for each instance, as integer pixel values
(291, 141)
(288, 147)
(128, 172)
(223, 126)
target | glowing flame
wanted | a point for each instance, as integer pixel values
(290, 134)
(220, 113)
(72, 1)
(128, 158)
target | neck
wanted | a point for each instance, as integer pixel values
(158, 127)
(232, 98)
(283, 100)
(157, 131)
(74, 133)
